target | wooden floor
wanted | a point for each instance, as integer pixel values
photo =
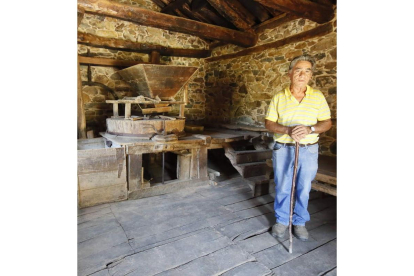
(209, 230)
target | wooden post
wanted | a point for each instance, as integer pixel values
(81, 111)
(185, 100)
(115, 109)
(183, 166)
(134, 167)
(155, 57)
(127, 110)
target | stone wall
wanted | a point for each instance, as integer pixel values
(239, 90)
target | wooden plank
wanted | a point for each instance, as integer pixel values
(101, 161)
(99, 260)
(278, 255)
(134, 165)
(325, 178)
(101, 242)
(99, 152)
(101, 179)
(251, 203)
(95, 143)
(204, 9)
(183, 251)
(249, 156)
(324, 188)
(183, 167)
(316, 262)
(202, 157)
(302, 8)
(315, 32)
(108, 62)
(130, 46)
(106, 194)
(173, 5)
(251, 169)
(215, 263)
(93, 231)
(167, 22)
(275, 22)
(249, 269)
(234, 12)
(195, 164)
(259, 185)
(156, 110)
(256, 9)
(168, 187)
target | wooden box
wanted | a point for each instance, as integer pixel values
(101, 173)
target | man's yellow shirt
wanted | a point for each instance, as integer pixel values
(287, 111)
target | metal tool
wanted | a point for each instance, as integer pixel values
(292, 194)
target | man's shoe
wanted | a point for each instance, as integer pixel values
(279, 230)
(300, 232)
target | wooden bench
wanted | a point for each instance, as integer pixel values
(325, 180)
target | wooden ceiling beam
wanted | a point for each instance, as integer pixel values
(275, 22)
(203, 8)
(256, 9)
(108, 62)
(302, 8)
(173, 5)
(234, 12)
(315, 32)
(159, 3)
(167, 22)
(125, 45)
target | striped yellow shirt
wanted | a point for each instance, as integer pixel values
(287, 111)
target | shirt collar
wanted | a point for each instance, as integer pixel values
(309, 91)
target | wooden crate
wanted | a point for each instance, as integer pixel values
(101, 173)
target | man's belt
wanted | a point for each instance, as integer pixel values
(293, 144)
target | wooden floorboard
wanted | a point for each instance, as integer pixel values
(208, 230)
(316, 262)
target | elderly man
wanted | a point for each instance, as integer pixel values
(297, 114)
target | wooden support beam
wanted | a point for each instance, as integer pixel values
(134, 167)
(173, 5)
(275, 22)
(315, 32)
(159, 3)
(167, 22)
(302, 8)
(256, 9)
(81, 110)
(155, 57)
(129, 46)
(203, 8)
(156, 110)
(127, 110)
(108, 62)
(234, 12)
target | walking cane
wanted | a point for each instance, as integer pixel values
(292, 193)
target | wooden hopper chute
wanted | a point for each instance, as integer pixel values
(152, 80)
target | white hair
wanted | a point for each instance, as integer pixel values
(304, 58)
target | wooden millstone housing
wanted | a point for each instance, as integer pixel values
(165, 87)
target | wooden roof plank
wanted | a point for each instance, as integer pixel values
(234, 12)
(320, 13)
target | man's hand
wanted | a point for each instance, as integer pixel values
(299, 132)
